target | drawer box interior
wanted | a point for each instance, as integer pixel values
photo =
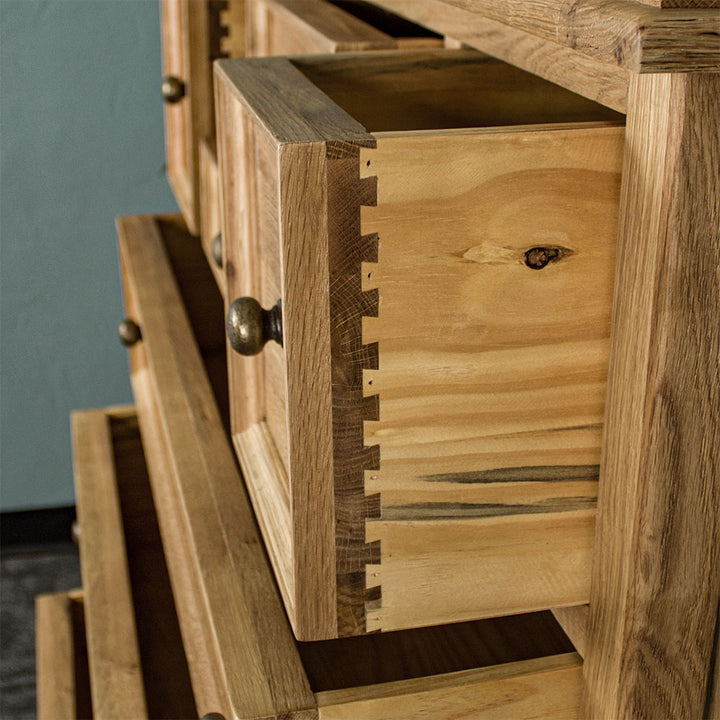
(440, 230)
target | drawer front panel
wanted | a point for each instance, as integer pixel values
(194, 34)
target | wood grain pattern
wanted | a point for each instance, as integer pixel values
(114, 656)
(63, 681)
(655, 585)
(168, 690)
(194, 34)
(449, 570)
(290, 183)
(626, 34)
(602, 82)
(224, 559)
(491, 398)
(574, 621)
(547, 687)
(210, 213)
(299, 27)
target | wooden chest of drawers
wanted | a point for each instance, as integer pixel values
(423, 446)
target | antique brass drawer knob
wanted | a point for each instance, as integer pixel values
(129, 332)
(173, 89)
(217, 250)
(249, 326)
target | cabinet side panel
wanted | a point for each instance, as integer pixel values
(494, 272)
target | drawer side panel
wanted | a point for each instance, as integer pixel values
(494, 273)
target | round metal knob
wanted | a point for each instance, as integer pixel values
(129, 332)
(249, 327)
(173, 89)
(217, 250)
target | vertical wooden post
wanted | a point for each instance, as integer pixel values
(656, 573)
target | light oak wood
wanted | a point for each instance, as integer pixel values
(239, 617)
(655, 584)
(210, 222)
(548, 687)
(194, 34)
(63, 682)
(514, 433)
(626, 34)
(299, 27)
(604, 83)
(522, 355)
(574, 621)
(114, 656)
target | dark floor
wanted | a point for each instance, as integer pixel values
(27, 571)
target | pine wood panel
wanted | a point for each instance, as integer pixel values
(491, 397)
(114, 656)
(627, 34)
(224, 560)
(63, 681)
(655, 584)
(300, 27)
(543, 688)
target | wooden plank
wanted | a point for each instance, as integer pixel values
(114, 656)
(299, 27)
(491, 398)
(194, 34)
(262, 675)
(542, 688)
(63, 682)
(623, 33)
(433, 571)
(604, 83)
(574, 621)
(285, 103)
(655, 583)
(682, 3)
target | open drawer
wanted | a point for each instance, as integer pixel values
(63, 681)
(135, 655)
(243, 658)
(425, 242)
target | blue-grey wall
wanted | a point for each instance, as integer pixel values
(81, 142)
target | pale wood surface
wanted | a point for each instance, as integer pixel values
(240, 614)
(114, 656)
(605, 83)
(655, 584)
(194, 34)
(630, 35)
(542, 688)
(574, 621)
(168, 690)
(299, 27)
(210, 218)
(63, 683)
(491, 377)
